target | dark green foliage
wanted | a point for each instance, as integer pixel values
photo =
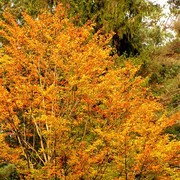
(175, 102)
(125, 18)
(32, 7)
(164, 72)
(175, 130)
(124, 46)
(8, 172)
(11, 140)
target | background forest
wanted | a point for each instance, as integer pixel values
(89, 90)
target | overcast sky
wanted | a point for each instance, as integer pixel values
(162, 2)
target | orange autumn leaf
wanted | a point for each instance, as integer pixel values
(72, 112)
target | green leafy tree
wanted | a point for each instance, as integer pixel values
(8, 172)
(32, 7)
(134, 22)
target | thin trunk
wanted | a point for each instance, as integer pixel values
(41, 140)
(19, 138)
(125, 159)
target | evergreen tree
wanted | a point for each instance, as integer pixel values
(133, 21)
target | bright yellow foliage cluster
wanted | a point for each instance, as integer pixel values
(72, 112)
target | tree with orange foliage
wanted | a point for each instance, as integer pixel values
(71, 112)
